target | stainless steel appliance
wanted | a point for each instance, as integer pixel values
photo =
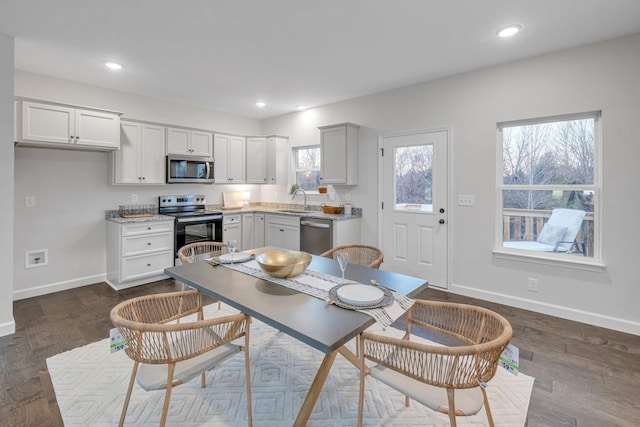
(316, 235)
(194, 223)
(189, 169)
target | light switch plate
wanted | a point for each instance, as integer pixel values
(466, 200)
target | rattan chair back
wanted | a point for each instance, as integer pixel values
(199, 251)
(359, 254)
(484, 334)
(155, 334)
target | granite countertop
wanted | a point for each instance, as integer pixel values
(153, 218)
(283, 211)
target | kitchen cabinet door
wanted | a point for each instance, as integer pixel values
(271, 160)
(47, 123)
(273, 235)
(248, 231)
(340, 144)
(256, 160)
(201, 143)
(153, 161)
(233, 232)
(259, 225)
(229, 154)
(97, 129)
(291, 237)
(189, 142)
(141, 158)
(236, 159)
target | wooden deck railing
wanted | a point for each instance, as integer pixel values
(526, 224)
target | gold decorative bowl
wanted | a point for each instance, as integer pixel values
(283, 263)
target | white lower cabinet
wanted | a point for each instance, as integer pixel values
(259, 228)
(248, 231)
(283, 231)
(138, 253)
(232, 229)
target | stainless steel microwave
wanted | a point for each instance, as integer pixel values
(189, 169)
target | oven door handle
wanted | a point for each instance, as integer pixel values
(200, 218)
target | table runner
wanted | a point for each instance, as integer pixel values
(318, 285)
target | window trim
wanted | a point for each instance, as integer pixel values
(594, 263)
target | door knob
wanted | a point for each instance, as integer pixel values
(441, 221)
(441, 210)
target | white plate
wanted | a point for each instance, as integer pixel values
(237, 257)
(360, 295)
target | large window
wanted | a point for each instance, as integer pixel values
(306, 162)
(549, 185)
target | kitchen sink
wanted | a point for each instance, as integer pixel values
(292, 211)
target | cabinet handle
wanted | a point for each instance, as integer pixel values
(148, 228)
(77, 138)
(148, 265)
(148, 243)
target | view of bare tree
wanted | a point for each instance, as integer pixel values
(413, 168)
(548, 154)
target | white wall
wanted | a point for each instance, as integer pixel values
(603, 77)
(72, 188)
(7, 325)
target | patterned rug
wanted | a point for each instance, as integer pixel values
(90, 384)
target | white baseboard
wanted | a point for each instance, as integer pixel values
(603, 321)
(8, 328)
(57, 287)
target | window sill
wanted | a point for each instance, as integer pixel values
(558, 260)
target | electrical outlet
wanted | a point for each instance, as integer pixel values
(332, 195)
(134, 198)
(466, 200)
(533, 284)
(30, 202)
(347, 197)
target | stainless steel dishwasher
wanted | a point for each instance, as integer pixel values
(316, 235)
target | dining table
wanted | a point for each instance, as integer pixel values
(311, 320)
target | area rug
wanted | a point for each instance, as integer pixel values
(90, 384)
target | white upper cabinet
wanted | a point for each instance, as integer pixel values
(229, 155)
(261, 159)
(141, 158)
(256, 160)
(339, 154)
(189, 142)
(63, 126)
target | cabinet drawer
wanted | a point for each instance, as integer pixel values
(147, 228)
(145, 265)
(293, 221)
(231, 219)
(141, 244)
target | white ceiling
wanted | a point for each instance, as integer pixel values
(225, 55)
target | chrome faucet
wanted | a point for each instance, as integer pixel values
(304, 194)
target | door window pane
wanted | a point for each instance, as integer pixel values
(414, 177)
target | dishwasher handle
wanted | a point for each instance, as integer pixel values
(315, 224)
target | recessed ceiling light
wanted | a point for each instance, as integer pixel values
(301, 107)
(261, 104)
(113, 65)
(509, 31)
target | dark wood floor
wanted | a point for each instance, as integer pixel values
(585, 375)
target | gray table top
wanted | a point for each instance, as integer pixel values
(306, 318)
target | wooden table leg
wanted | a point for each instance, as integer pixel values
(314, 390)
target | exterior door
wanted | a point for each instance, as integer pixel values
(414, 211)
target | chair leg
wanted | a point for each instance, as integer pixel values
(203, 380)
(126, 400)
(248, 377)
(486, 407)
(452, 407)
(167, 396)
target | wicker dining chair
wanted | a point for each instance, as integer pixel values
(359, 254)
(449, 380)
(168, 352)
(199, 251)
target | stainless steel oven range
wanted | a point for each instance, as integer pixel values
(194, 223)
